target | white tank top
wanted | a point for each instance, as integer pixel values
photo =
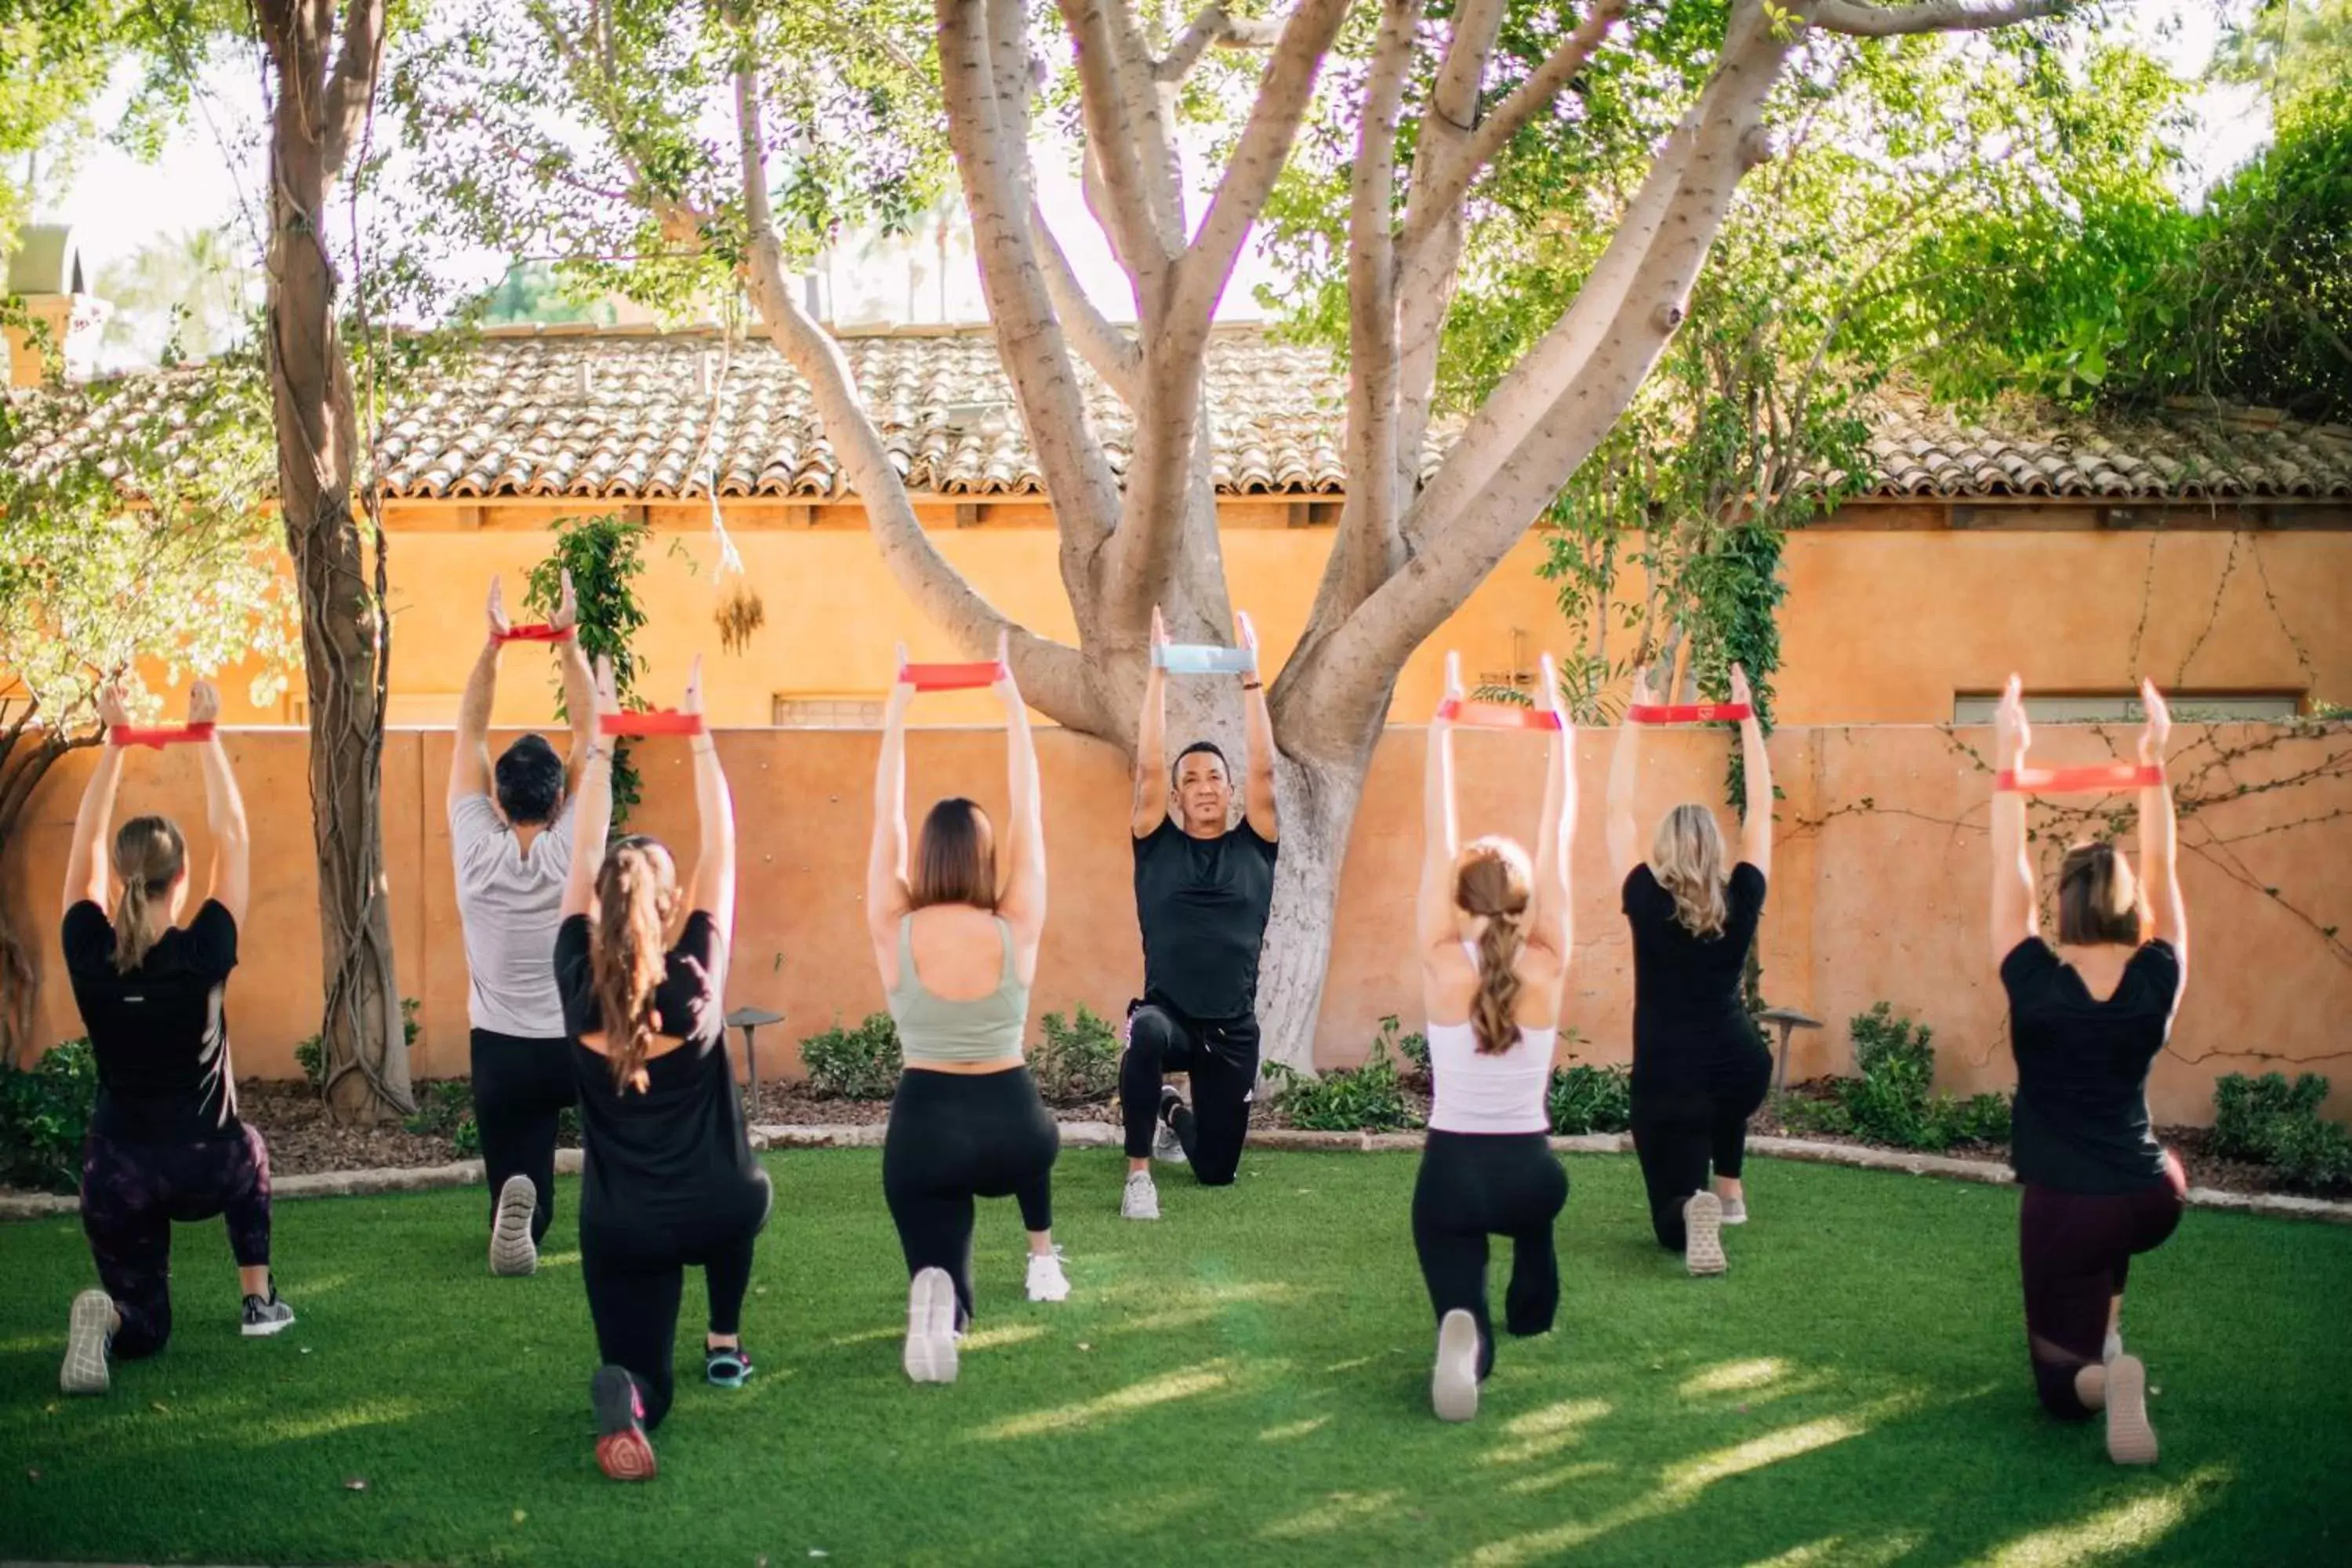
(1508, 1091)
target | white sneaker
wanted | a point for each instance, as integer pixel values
(1703, 1230)
(85, 1369)
(1142, 1199)
(1165, 1145)
(1454, 1387)
(1735, 1211)
(1046, 1280)
(512, 1251)
(2130, 1439)
(2113, 1348)
(930, 1327)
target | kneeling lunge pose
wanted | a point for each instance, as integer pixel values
(2086, 1021)
(1492, 932)
(668, 1181)
(1700, 1067)
(164, 1144)
(957, 943)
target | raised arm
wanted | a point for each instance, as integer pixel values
(1624, 772)
(232, 879)
(592, 816)
(1439, 838)
(2159, 834)
(1021, 902)
(887, 897)
(469, 759)
(579, 687)
(1150, 807)
(1551, 922)
(1257, 792)
(714, 865)
(2015, 915)
(1756, 768)
(86, 861)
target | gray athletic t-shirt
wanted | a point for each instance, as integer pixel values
(509, 903)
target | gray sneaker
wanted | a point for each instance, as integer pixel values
(1703, 1228)
(512, 1251)
(1735, 1211)
(1142, 1199)
(1165, 1145)
(85, 1369)
(1453, 1385)
(267, 1316)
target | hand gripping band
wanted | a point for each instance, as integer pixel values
(951, 676)
(1203, 658)
(664, 721)
(2104, 778)
(1497, 715)
(125, 735)
(1688, 712)
(537, 631)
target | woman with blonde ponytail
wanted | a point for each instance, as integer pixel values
(1493, 933)
(164, 1141)
(1700, 1067)
(668, 1181)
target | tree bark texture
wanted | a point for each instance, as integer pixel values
(26, 757)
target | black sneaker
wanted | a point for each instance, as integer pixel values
(621, 1450)
(267, 1315)
(726, 1366)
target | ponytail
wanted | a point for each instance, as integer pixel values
(149, 856)
(626, 958)
(1494, 882)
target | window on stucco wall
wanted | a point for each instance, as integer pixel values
(804, 712)
(2123, 707)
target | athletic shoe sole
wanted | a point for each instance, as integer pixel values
(512, 1251)
(623, 1451)
(85, 1369)
(1703, 1230)
(2130, 1439)
(1454, 1387)
(930, 1327)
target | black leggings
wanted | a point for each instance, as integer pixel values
(954, 1137)
(131, 1194)
(1683, 1125)
(1477, 1185)
(1222, 1060)
(520, 1087)
(2075, 1251)
(635, 1281)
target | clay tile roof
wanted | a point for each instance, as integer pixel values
(622, 415)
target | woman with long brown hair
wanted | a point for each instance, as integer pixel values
(668, 1181)
(956, 937)
(1700, 1067)
(164, 1143)
(1493, 929)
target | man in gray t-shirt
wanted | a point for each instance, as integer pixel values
(511, 839)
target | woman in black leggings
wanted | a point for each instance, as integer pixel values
(956, 940)
(668, 1181)
(164, 1144)
(2085, 1022)
(1700, 1067)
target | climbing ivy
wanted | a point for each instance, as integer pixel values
(604, 556)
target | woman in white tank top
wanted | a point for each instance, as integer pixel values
(1493, 934)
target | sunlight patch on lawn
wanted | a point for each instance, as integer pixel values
(1834, 1549)
(1758, 1452)
(1528, 1485)
(1137, 1396)
(1335, 1512)
(868, 1336)
(1734, 1376)
(1545, 1431)
(1294, 1429)
(2129, 1527)
(367, 1413)
(1001, 1335)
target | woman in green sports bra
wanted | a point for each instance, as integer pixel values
(956, 941)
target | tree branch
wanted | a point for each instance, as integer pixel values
(1213, 27)
(351, 88)
(1866, 21)
(1113, 149)
(1110, 351)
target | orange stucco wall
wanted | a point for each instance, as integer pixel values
(1884, 901)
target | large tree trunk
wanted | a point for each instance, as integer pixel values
(26, 757)
(346, 635)
(1318, 811)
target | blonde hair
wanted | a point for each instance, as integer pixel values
(149, 856)
(1494, 879)
(1687, 857)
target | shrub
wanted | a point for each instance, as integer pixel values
(1077, 1061)
(1412, 1046)
(854, 1064)
(1368, 1098)
(443, 1109)
(2278, 1123)
(1591, 1100)
(44, 1112)
(1893, 1102)
(467, 1138)
(567, 1127)
(2312, 1153)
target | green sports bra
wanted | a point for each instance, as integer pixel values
(933, 1028)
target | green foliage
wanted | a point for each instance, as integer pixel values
(1892, 1101)
(192, 295)
(1585, 1098)
(44, 1112)
(605, 555)
(1077, 1061)
(854, 1064)
(567, 1127)
(1413, 1048)
(443, 1109)
(2268, 1120)
(1368, 1098)
(310, 1056)
(531, 291)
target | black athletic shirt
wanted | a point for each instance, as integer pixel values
(1202, 904)
(1687, 1008)
(667, 1156)
(2081, 1123)
(158, 1033)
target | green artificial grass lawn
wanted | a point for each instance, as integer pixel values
(1246, 1381)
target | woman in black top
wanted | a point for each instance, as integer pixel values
(1700, 1068)
(668, 1179)
(2085, 1022)
(164, 1143)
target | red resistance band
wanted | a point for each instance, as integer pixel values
(2104, 778)
(664, 721)
(1497, 715)
(1688, 712)
(124, 735)
(537, 632)
(951, 676)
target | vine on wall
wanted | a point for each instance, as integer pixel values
(604, 556)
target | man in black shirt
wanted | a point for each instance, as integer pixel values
(1203, 887)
